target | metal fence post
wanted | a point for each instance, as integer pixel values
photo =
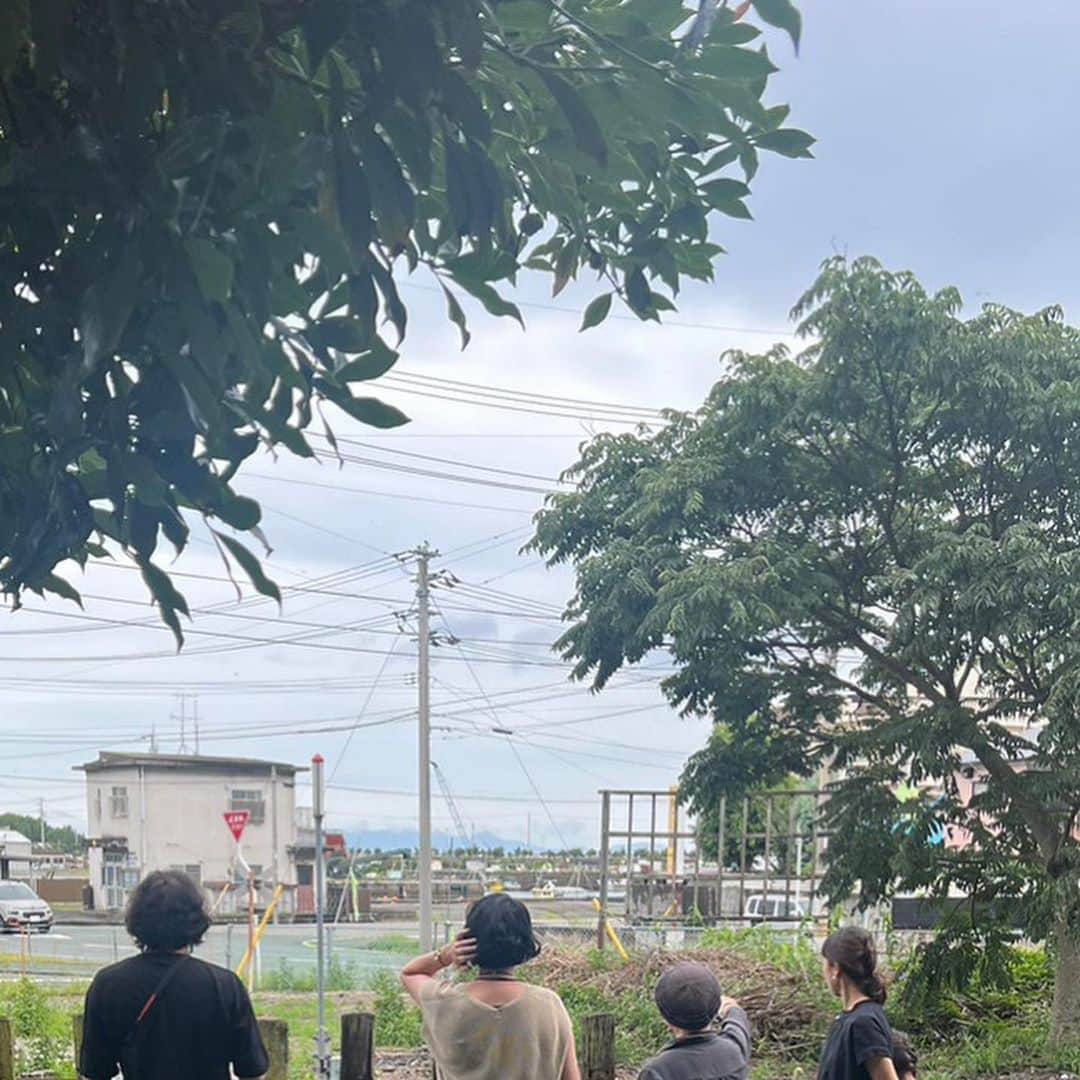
(605, 840)
(598, 1047)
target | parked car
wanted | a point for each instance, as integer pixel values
(774, 908)
(22, 909)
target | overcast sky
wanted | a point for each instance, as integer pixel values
(947, 145)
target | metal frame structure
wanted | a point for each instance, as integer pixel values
(676, 845)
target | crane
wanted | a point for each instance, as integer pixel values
(459, 823)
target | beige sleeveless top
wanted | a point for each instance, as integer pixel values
(527, 1039)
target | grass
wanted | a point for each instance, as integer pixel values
(984, 1034)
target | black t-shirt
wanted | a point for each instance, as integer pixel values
(856, 1037)
(201, 1023)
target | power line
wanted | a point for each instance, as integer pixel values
(626, 318)
(401, 388)
(388, 494)
(442, 460)
(525, 396)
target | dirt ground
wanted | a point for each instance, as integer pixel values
(412, 1065)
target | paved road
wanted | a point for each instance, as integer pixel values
(81, 950)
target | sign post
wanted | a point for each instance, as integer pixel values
(236, 820)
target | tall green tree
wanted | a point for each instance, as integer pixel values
(867, 556)
(206, 207)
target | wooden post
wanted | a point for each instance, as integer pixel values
(77, 1036)
(7, 1050)
(275, 1036)
(598, 1047)
(357, 1046)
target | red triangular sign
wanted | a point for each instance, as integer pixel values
(236, 820)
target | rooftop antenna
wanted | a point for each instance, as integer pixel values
(182, 748)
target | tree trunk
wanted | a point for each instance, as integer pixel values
(1065, 1015)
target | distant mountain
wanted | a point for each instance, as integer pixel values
(395, 839)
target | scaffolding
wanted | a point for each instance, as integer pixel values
(766, 866)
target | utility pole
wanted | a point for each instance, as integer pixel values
(196, 707)
(41, 808)
(423, 603)
(322, 1038)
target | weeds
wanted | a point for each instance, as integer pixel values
(397, 1019)
(43, 1033)
(284, 978)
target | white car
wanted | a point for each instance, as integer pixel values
(22, 909)
(776, 908)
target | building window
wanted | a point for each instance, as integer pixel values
(192, 870)
(119, 802)
(97, 805)
(250, 800)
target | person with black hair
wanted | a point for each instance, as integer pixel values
(163, 1015)
(859, 1045)
(492, 1027)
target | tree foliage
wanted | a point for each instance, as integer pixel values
(62, 837)
(866, 558)
(206, 208)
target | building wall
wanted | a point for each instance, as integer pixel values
(172, 818)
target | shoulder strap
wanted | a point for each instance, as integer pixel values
(157, 992)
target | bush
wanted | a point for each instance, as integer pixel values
(43, 1037)
(340, 975)
(397, 1019)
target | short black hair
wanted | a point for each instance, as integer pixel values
(503, 931)
(166, 912)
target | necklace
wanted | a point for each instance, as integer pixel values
(495, 976)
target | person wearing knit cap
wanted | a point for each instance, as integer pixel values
(689, 998)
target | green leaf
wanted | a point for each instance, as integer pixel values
(790, 142)
(729, 62)
(735, 208)
(492, 301)
(392, 199)
(323, 24)
(339, 332)
(716, 191)
(251, 566)
(596, 312)
(587, 133)
(456, 314)
(240, 512)
(531, 17)
(14, 28)
(566, 264)
(107, 307)
(377, 360)
(55, 584)
(213, 269)
(165, 595)
(638, 293)
(368, 411)
(465, 106)
(782, 14)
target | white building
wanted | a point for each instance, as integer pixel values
(166, 811)
(15, 853)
